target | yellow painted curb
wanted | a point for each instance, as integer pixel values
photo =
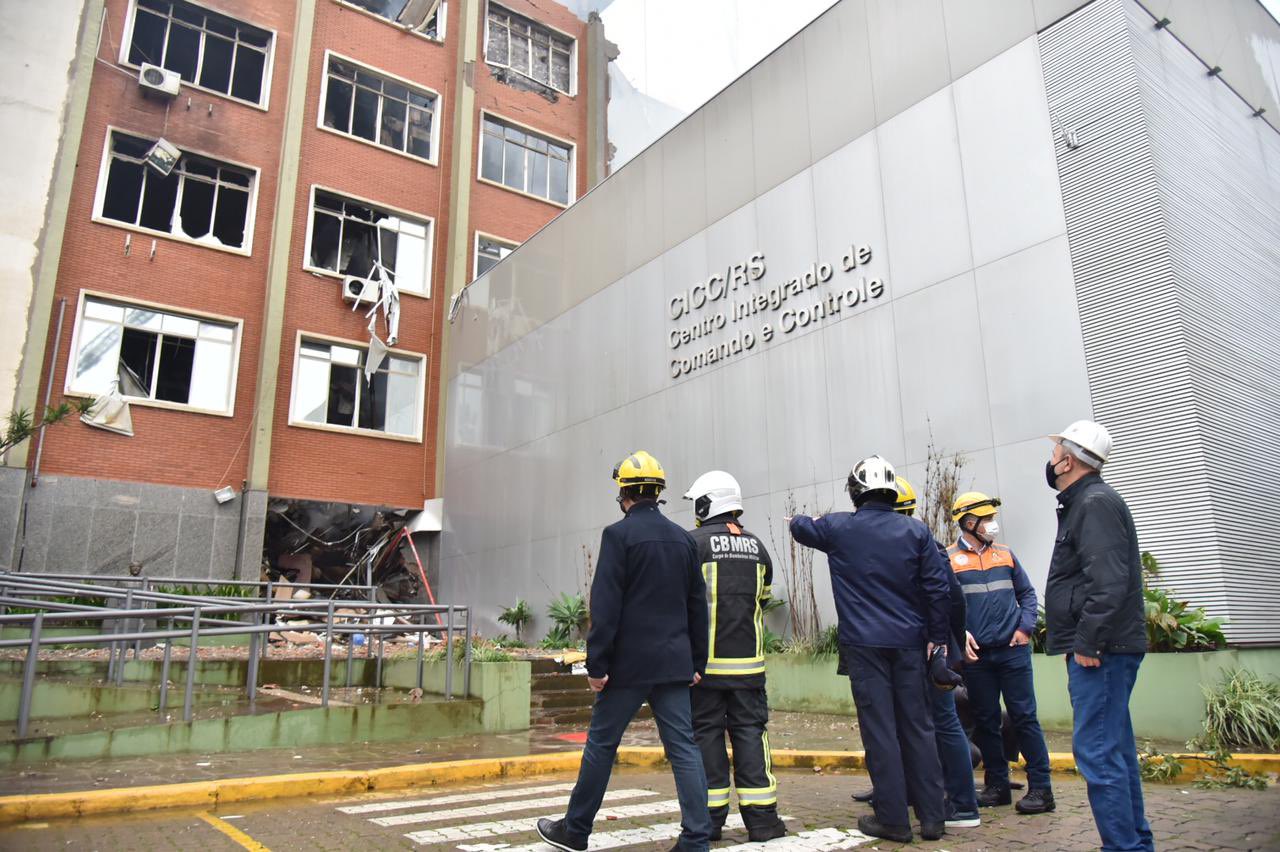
(210, 794)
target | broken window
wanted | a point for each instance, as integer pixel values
(348, 236)
(489, 251)
(361, 103)
(331, 387)
(206, 49)
(530, 49)
(153, 354)
(525, 161)
(201, 200)
(420, 16)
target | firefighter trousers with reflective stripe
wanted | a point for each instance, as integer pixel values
(744, 715)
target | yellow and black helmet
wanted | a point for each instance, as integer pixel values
(639, 468)
(906, 503)
(974, 503)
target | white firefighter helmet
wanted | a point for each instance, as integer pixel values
(1092, 440)
(872, 475)
(714, 493)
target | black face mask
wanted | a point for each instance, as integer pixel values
(1049, 475)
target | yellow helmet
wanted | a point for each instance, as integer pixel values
(906, 497)
(639, 468)
(974, 503)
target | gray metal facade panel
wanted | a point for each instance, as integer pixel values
(1171, 219)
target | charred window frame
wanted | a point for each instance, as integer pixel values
(203, 200)
(526, 161)
(530, 49)
(346, 236)
(331, 390)
(154, 355)
(360, 102)
(490, 250)
(423, 17)
(209, 50)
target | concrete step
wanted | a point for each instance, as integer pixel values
(576, 717)
(557, 682)
(546, 699)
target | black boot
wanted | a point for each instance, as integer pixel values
(994, 794)
(1036, 802)
(897, 833)
(554, 833)
(865, 795)
(765, 833)
(932, 830)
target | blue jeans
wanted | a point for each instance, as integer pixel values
(613, 711)
(1105, 751)
(953, 752)
(1007, 672)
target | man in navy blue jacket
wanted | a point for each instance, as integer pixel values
(892, 597)
(647, 642)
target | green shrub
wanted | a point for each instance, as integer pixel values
(517, 615)
(569, 614)
(1171, 624)
(773, 643)
(1242, 712)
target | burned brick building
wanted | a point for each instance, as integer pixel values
(269, 206)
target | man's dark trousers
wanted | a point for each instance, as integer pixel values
(1105, 752)
(890, 690)
(953, 752)
(746, 713)
(1007, 672)
(614, 709)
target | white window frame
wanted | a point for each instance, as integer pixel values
(441, 20)
(268, 68)
(573, 50)
(436, 119)
(573, 159)
(235, 322)
(100, 194)
(475, 249)
(295, 418)
(428, 221)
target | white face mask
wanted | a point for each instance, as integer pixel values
(992, 530)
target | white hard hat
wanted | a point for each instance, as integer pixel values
(714, 493)
(1091, 439)
(872, 474)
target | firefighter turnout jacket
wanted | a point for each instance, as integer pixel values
(738, 574)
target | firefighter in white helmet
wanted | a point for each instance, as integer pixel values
(731, 696)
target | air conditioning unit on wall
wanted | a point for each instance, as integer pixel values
(359, 289)
(155, 80)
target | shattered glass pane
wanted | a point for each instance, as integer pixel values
(420, 132)
(359, 248)
(196, 214)
(373, 402)
(519, 53)
(337, 105)
(513, 166)
(364, 121)
(250, 65)
(393, 124)
(99, 353)
(148, 38)
(496, 51)
(232, 216)
(541, 63)
(158, 199)
(137, 362)
(341, 407)
(389, 240)
(124, 191)
(173, 380)
(182, 53)
(560, 71)
(215, 71)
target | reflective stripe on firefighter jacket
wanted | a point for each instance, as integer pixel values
(738, 574)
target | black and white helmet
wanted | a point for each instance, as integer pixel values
(872, 476)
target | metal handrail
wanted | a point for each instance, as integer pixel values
(203, 610)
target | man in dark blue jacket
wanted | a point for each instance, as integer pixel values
(892, 597)
(647, 642)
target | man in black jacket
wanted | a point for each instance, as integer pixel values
(731, 696)
(647, 642)
(1094, 613)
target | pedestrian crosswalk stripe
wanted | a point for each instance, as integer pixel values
(523, 825)
(495, 793)
(606, 839)
(550, 802)
(817, 840)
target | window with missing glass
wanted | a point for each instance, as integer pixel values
(370, 106)
(526, 161)
(202, 200)
(425, 17)
(347, 237)
(153, 354)
(489, 251)
(528, 48)
(205, 48)
(332, 388)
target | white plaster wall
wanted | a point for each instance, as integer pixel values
(976, 338)
(37, 48)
